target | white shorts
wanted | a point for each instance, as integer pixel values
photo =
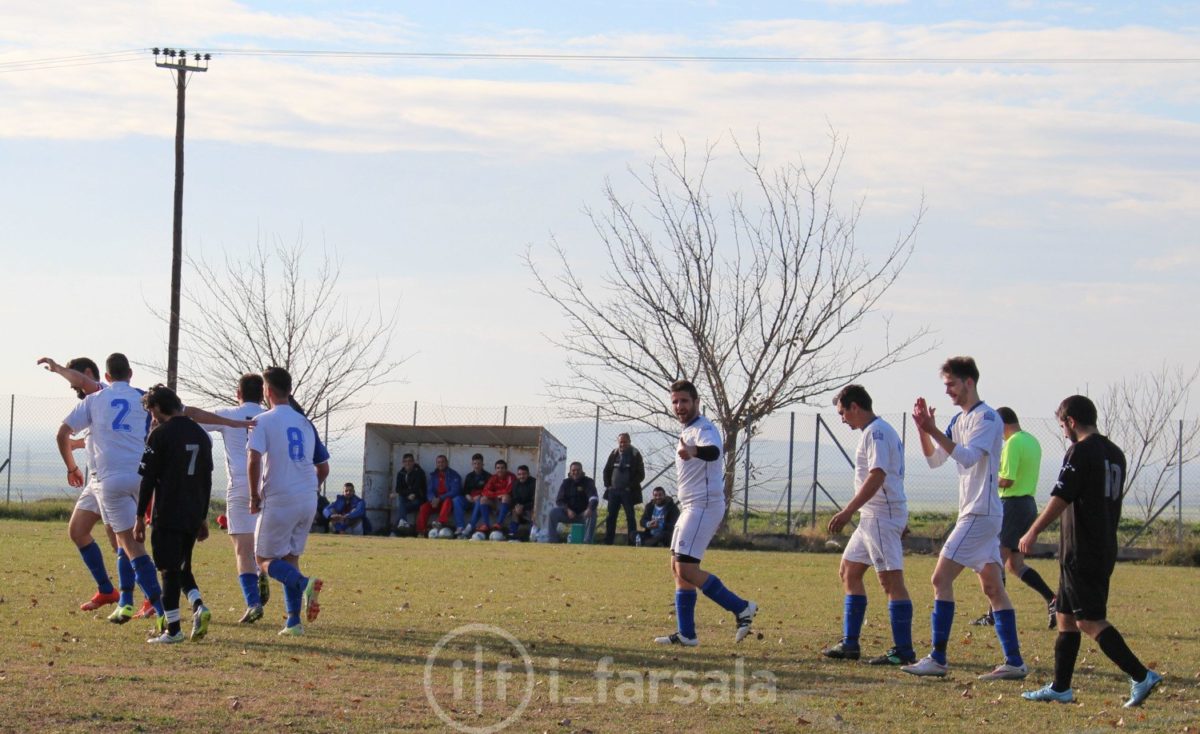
(283, 525)
(876, 542)
(89, 499)
(974, 542)
(237, 511)
(696, 526)
(119, 500)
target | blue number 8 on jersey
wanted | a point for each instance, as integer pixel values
(295, 444)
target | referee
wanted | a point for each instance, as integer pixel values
(177, 477)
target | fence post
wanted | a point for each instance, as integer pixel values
(328, 408)
(505, 419)
(12, 406)
(791, 455)
(414, 412)
(746, 487)
(1178, 496)
(816, 463)
(596, 443)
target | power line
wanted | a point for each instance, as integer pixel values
(546, 56)
(127, 55)
(60, 62)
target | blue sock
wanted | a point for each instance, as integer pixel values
(941, 620)
(685, 612)
(288, 575)
(729, 601)
(1006, 632)
(147, 580)
(125, 578)
(249, 583)
(513, 527)
(855, 608)
(901, 614)
(94, 560)
(292, 599)
(486, 515)
(503, 513)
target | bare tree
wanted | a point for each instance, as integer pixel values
(1141, 414)
(269, 309)
(756, 297)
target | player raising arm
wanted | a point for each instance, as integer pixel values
(285, 463)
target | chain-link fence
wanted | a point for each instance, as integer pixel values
(791, 469)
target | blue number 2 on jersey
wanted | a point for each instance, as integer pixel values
(295, 444)
(122, 406)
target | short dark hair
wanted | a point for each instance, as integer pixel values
(476, 456)
(408, 456)
(658, 489)
(961, 367)
(162, 397)
(856, 394)
(576, 463)
(83, 364)
(522, 466)
(685, 386)
(278, 379)
(1079, 407)
(1008, 415)
(348, 484)
(117, 367)
(250, 386)
(501, 461)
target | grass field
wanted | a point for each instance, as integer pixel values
(388, 602)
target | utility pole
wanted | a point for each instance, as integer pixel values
(177, 61)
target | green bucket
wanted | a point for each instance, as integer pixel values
(577, 531)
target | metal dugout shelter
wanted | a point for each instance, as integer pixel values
(385, 445)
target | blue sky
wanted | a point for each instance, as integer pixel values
(1063, 203)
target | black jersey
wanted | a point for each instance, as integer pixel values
(177, 473)
(1091, 481)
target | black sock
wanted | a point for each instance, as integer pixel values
(1066, 650)
(1113, 645)
(173, 627)
(197, 604)
(1034, 581)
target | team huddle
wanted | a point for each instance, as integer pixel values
(150, 462)
(276, 463)
(997, 523)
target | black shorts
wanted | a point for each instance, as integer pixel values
(1019, 514)
(1083, 592)
(172, 549)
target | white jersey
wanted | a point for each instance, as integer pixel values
(880, 448)
(117, 425)
(237, 440)
(288, 444)
(697, 480)
(978, 436)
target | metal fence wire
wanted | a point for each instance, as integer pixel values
(791, 467)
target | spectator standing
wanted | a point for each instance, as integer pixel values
(624, 472)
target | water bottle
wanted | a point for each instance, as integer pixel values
(637, 539)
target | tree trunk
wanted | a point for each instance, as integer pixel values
(729, 458)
